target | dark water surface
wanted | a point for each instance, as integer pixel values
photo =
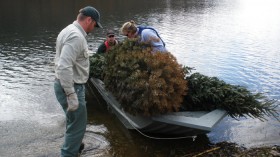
(235, 40)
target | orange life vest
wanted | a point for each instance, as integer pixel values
(108, 46)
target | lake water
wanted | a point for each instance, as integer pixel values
(234, 40)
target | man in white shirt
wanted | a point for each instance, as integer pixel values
(72, 72)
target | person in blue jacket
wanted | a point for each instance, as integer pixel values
(147, 34)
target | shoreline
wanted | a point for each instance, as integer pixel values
(233, 149)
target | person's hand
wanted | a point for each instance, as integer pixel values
(72, 101)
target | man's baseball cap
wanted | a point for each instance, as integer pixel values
(93, 13)
(110, 32)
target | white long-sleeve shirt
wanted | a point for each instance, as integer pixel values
(72, 60)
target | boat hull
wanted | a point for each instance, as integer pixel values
(175, 123)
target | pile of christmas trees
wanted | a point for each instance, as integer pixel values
(154, 83)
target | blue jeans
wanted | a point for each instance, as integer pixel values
(76, 121)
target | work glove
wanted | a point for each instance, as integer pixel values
(73, 102)
(72, 99)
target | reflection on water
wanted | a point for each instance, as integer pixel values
(23, 61)
(237, 41)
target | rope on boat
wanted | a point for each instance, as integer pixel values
(162, 138)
